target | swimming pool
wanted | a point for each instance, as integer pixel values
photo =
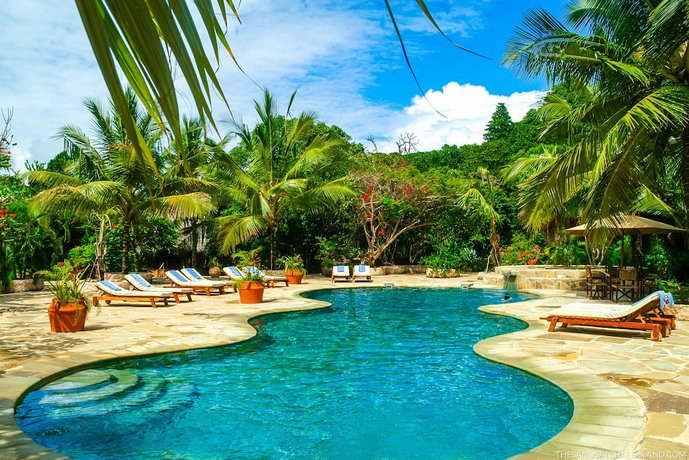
(383, 373)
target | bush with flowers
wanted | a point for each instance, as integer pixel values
(522, 251)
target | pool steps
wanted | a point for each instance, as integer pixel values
(95, 393)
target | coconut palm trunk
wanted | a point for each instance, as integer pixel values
(126, 228)
(273, 241)
(194, 241)
(685, 174)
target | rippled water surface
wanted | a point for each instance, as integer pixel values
(384, 373)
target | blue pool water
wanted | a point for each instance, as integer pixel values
(383, 373)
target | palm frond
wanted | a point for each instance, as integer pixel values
(184, 206)
(474, 199)
(236, 230)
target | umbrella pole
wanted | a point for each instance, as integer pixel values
(622, 253)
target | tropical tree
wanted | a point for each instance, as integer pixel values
(107, 176)
(394, 200)
(629, 59)
(480, 198)
(273, 169)
(186, 171)
(500, 124)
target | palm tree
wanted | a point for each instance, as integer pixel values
(629, 57)
(279, 169)
(107, 176)
(186, 172)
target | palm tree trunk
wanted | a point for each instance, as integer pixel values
(126, 226)
(495, 242)
(273, 240)
(685, 175)
(194, 242)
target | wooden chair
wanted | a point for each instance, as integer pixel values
(628, 286)
(612, 274)
(362, 273)
(596, 284)
(340, 272)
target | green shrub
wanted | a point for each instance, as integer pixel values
(570, 252)
(450, 255)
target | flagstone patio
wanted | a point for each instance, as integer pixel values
(631, 395)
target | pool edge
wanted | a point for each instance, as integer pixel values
(493, 348)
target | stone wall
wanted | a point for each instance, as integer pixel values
(28, 285)
(538, 277)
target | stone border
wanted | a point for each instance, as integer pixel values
(601, 408)
(605, 413)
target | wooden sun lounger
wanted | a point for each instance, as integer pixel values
(108, 298)
(140, 284)
(340, 272)
(110, 291)
(646, 316)
(199, 286)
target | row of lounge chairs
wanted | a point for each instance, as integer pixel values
(645, 314)
(360, 273)
(186, 282)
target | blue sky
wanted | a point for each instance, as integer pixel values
(342, 57)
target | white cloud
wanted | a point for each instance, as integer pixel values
(326, 50)
(48, 68)
(323, 49)
(467, 108)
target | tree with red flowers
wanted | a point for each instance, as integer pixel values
(392, 202)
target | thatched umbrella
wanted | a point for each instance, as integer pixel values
(625, 224)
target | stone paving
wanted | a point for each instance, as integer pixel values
(631, 395)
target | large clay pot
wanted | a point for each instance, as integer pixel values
(214, 272)
(251, 292)
(294, 276)
(68, 318)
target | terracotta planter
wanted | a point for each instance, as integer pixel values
(68, 318)
(214, 272)
(294, 276)
(251, 292)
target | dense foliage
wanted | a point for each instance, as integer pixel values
(611, 137)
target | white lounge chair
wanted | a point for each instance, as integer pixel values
(340, 272)
(194, 275)
(179, 280)
(645, 314)
(269, 279)
(139, 283)
(233, 272)
(111, 291)
(361, 273)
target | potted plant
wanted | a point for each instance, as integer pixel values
(294, 268)
(214, 268)
(250, 288)
(68, 309)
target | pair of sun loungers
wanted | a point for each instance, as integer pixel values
(192, 279)
(645, 314)
(341, 272)
(236, 274)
